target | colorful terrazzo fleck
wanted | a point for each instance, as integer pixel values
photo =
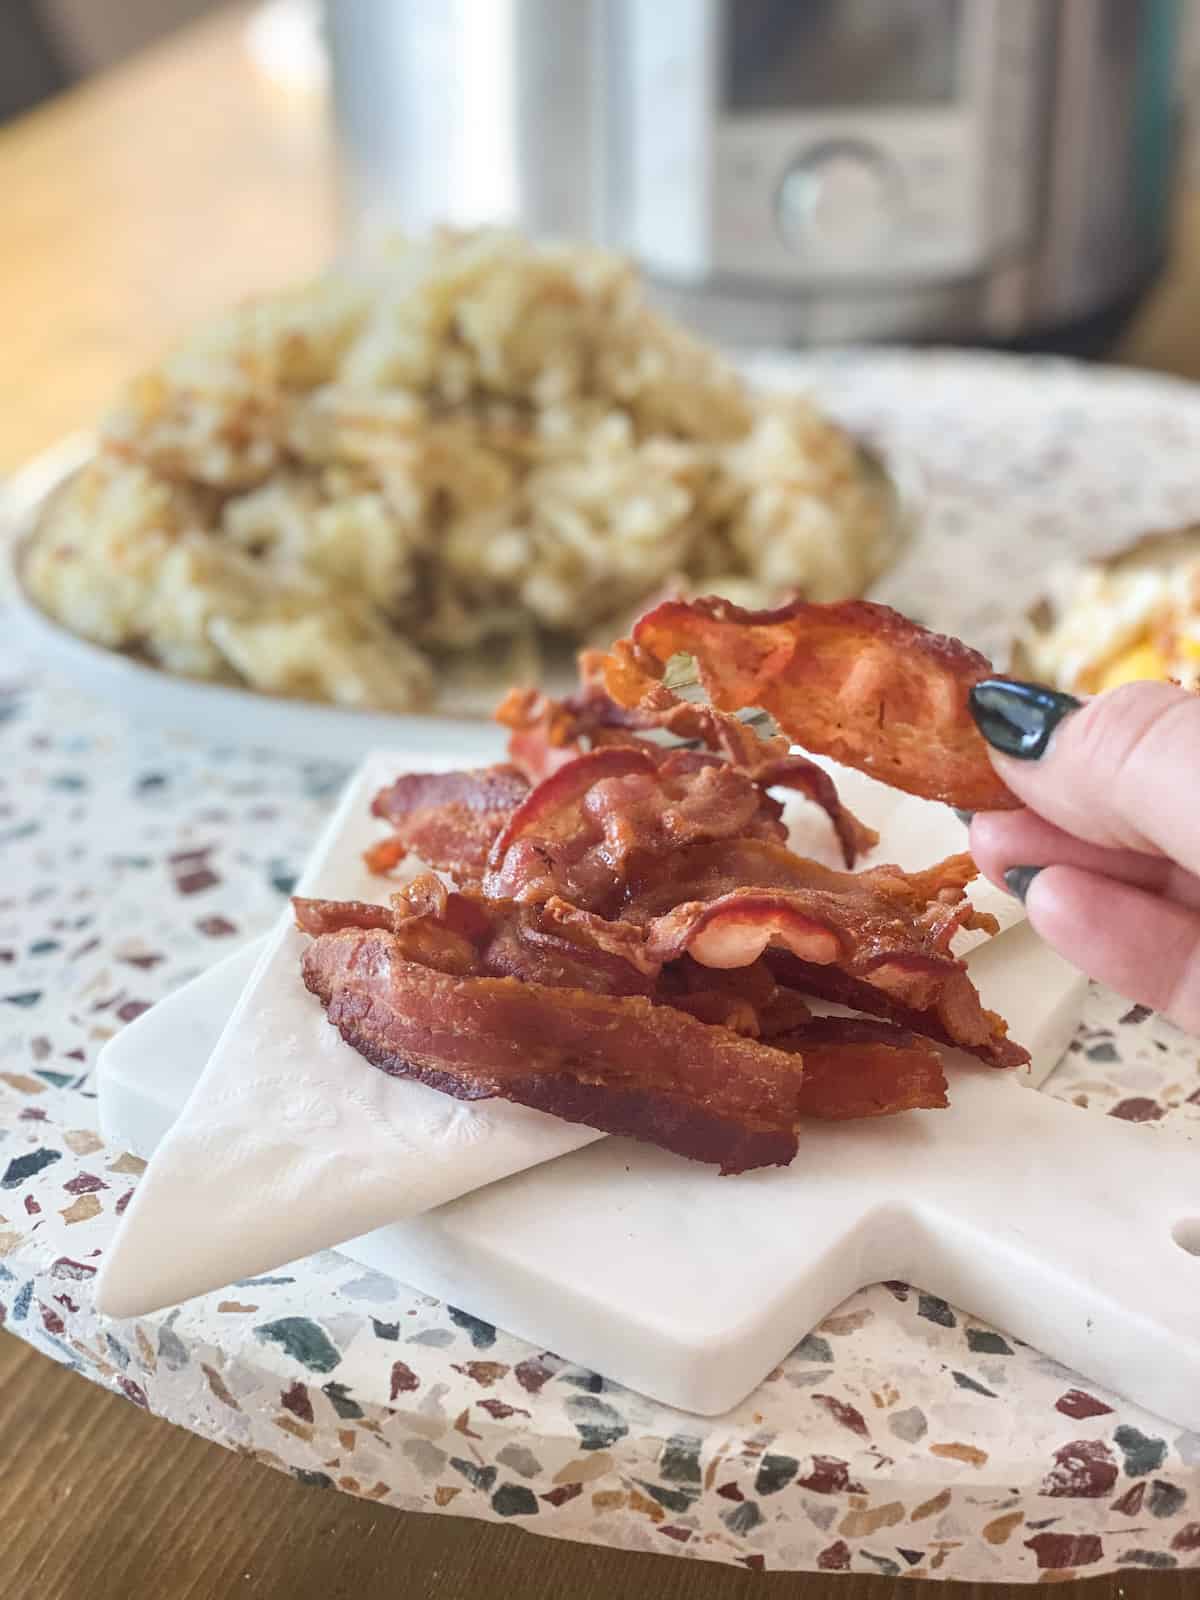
(899, 1437)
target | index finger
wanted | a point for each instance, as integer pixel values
(1122, 770)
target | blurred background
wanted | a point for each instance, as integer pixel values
(784, 172)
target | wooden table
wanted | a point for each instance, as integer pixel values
(131, 207)
(154, 194)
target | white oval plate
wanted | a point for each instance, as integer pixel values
(213, 712)
(223, 714)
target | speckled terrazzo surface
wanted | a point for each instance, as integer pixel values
(900, 1436)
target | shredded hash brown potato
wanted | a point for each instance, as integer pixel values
(472, 445)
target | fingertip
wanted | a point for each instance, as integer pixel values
(1023, 777)
(1105, 770)
(1018, 719)
(1019, 880)
(1064, 906)
(1145, 947)
(1043, 908)
(981, 829)
(988, 839)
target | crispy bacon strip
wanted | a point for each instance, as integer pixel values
(735, 930)
(450, 820)
(744, 999)
(854, 1068)
(579, 832)
(547, 734)
(943, 1005)
(316, 917)
(802, 776)
(617, 1063)
(855, 681)
(883, 911)
(462, 933)
(879, 941)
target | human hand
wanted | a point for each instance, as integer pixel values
(1107, 855)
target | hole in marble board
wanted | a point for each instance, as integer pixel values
(1186, 1235)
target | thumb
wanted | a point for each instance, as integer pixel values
(1122, 770)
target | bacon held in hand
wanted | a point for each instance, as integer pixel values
(854, 681)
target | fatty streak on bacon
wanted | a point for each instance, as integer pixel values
(854, 918)
(879, 941)
(854, 681)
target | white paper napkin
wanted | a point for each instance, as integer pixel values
(292, 1143)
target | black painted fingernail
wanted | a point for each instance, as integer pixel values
(965, 817)
(1018, 880)
(1019, 719)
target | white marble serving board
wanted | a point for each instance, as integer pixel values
(292, 1143)
(1053, 1225)
(691, 1287)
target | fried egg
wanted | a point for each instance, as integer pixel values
(1133, 617)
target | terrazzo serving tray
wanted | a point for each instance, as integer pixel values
(902, 1436)
(1072, 1233)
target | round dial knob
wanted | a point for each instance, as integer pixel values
(838, 199)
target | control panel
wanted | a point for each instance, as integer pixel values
(896, 141)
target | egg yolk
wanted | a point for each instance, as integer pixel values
(1142, 661)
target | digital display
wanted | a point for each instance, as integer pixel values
(791, 55)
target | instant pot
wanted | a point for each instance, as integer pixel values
(787, 170)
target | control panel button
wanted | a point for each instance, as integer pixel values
(838, 199)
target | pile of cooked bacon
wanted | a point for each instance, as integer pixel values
(620, 935)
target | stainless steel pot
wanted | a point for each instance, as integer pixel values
(786, 170)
